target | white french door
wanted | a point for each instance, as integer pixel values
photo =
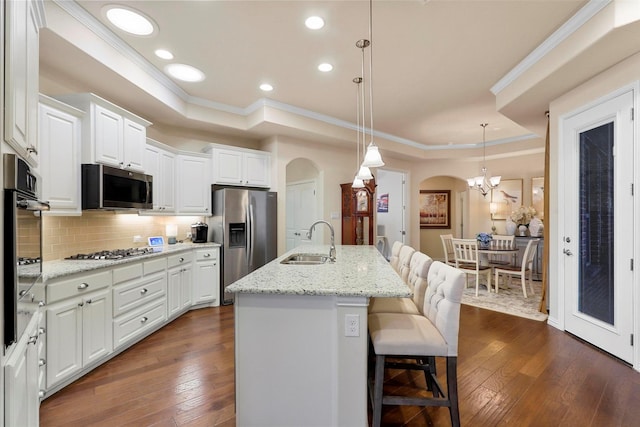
(596, 176)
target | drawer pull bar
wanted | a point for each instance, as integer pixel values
(144, 291)
(83, 286)
(144, 320)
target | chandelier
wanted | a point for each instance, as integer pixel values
(484, 183)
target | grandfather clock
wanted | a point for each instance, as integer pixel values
(357, 213)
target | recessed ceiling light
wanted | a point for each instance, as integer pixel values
(314, 22)
(130, 20)
(184, 72)
(266, 87)
(164, 54)
(325, 67)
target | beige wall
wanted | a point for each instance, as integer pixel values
(102, 230)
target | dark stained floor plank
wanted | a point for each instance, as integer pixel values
(512, 371)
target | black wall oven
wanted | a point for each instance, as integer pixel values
(22, 250)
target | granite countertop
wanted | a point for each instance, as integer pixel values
(358, 271)
(65, 267)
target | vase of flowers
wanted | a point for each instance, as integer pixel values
(484, 239)
(522, 217)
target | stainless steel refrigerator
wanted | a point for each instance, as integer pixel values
(244, 222)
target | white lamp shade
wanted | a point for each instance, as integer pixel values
(364, 173)
(372, 159)
(495, 181)
(357, 183)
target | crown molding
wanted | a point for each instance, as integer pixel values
(587, 12)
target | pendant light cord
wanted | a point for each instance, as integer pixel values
(371, 66)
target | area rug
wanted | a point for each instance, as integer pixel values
(508, 300)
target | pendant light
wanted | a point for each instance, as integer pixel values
(484, 183)
(372, 158)
(357, 181)
(364, 173)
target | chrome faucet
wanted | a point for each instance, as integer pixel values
(332, 248)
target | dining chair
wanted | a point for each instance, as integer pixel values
(447, 247)
(525, 267)
(395, 254)
(502, 242)
(397, 340)
(467, 260)
(417, 281)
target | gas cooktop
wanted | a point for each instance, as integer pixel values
(113, 254)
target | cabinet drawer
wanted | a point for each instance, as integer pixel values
(131, 295)
(126, 273)
(79, 285)
(179, 259)
(154, 266)
(206, 254)
(135, 323)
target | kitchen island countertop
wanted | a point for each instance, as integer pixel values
(357, 271)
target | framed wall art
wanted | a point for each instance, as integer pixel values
(507, 196)
(435, 208)
(537, 196)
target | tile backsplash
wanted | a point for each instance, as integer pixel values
(63, 236)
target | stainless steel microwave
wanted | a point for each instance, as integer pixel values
(105, 187)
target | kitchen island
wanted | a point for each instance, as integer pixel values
(301, 338)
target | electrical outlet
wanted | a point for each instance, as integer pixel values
(137, 238)
(351, 325)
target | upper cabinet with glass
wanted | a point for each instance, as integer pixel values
(110, 135)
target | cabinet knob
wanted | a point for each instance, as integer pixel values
(89, 301)
(41, 394)
(42, 362)
(144, 320)
(41, 330)
(33, 339)
(83, 286)
(81, 304)
(181, 259)
(32, 150)
(41, 304)
(207, 255)
(144, 291)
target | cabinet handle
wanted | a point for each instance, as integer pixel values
(144, 291)
(42, 362)
(41, 304)
(207, 255)
(33, 339)
(83, 286)
(32, 150)
(88, 301)
(41, 331)
(81, 304)
(144, 320)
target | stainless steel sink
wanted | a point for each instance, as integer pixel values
(305, 259)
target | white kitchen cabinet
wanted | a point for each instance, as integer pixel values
(110, 135)
(23, 21)
(179, 283)
(79, 317)
(21, 371)
(161, 164)
(59, 132)
(241, 167)
(194, 184)
(206, 277)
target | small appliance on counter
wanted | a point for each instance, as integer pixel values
(199, 232)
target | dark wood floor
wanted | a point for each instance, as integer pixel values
(512, 371)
